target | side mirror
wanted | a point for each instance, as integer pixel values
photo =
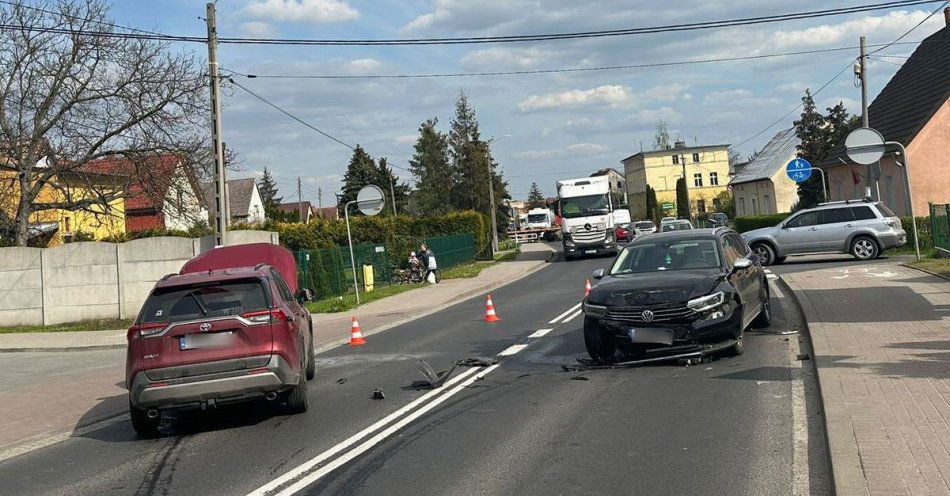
(741, 263)
(597, 274)
(304, 295)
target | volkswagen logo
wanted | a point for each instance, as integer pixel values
(207, 325)
(647, 316)
(587, 227)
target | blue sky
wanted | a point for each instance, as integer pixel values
(547, 127)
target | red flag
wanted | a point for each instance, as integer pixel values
(856, 178)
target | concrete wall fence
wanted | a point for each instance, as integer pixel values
(94, 280)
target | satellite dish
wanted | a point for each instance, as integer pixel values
(865, 146)
(370, 200)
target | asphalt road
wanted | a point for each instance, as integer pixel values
(524, 426)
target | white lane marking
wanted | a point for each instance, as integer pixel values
(572, 316)
(540, 332)
(511, 350)
(313, 462)
(565, 314)
(767, 271)
(771, 276)
(378, 438)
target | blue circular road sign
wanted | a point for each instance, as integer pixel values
(798, 170)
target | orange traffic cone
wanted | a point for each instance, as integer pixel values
(356, 335)
(490, 311)
(587, 287)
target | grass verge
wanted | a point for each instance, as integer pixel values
(86, 325)
(936, 265)
(348, 301)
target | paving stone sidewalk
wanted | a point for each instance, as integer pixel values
(881, 336)
(52, 384)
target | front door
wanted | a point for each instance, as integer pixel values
(799, 234)
(834, 227)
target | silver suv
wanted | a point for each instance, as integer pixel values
(862, 228)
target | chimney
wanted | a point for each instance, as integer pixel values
(946, 15)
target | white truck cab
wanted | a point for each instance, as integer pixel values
(540, 218)
(587, 224)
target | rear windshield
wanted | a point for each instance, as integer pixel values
(676, 226)
(180, 303)
(645, 225)
(535, 218)
(886, 212)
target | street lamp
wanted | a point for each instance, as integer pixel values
(491, 197)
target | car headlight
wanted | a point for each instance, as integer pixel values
(595, 311)
(708, 302)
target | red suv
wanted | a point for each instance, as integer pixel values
(231, 326)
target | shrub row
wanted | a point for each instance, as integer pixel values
(750, 222)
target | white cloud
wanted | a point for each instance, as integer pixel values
(507, 58)
(611, 94)
(883, 28)
(468, 15)
(667, 92)
(652, 116)
(406, 139)
(303, 10)
(574, 150)
(257, 29)
(363, 66)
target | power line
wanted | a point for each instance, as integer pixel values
(584, 34)
(925, 19)
(80, 18)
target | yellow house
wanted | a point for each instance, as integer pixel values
(707, 173)
(96, 220)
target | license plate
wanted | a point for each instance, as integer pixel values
(651, 335)
(590, 252)
(215, 340)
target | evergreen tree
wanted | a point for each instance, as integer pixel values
(682, 199)
(535, 197)
(387, 180)
(361, 171)
(430, 166)
(819, 134)
(470, 163)
(651, 202)
(661, 139)
(268, 190)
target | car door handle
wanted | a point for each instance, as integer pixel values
(847, 225)
(813, 229)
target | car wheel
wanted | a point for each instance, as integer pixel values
(144, 426)
(764, 318)
(779, 260)
(311, 365)
(297, 397)
(600, 345)
(765, 253)
(864, 248)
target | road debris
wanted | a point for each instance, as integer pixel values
(803, 356)
(341, 380)
(434, 380)
(579, 378)
(378, 394)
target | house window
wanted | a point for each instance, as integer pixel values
(755, 211)
(695, 158)
(701, 206)
(676, 159)
(698, 180)
(67, 222)
(742, 206)
(766, 205)
(717, 204)
(714, 179)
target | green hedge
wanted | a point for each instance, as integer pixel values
(750, 222)
(924, 232)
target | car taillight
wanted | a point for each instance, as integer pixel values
(265, 316)
(146, 330)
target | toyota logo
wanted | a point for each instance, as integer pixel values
(587, 227)
(647, 316)
(207, 327)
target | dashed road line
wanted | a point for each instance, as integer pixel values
(572, 316)
(565, 314)
(511, 350)
(539, 333)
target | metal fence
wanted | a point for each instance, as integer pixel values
(940, 225)
(328, 272)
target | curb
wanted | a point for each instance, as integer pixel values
(926, 271)
(465, 296)
(62, 349)
(847, 471)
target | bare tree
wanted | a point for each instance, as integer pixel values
(75, 88)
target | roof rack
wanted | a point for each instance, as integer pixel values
(846, 202)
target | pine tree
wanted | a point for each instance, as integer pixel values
(430, 167)
(387, 180)
(469, 161)
(651, 202)
(682, 199)
(819, 134)
(360, 172)
(268, 190)
(535, 197)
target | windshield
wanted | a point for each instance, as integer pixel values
(668, 255)
(645, 225)
(537, 218)
(180, 303)
(677, 226)
(580, 206)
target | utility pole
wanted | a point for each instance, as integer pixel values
(871, 170)
(221, 227)
(227, 192)
(300, 202)
(320, 197)
(392, 193)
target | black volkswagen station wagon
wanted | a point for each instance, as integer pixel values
(674, 292)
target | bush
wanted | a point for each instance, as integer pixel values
(750, 222)
(924, 232)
